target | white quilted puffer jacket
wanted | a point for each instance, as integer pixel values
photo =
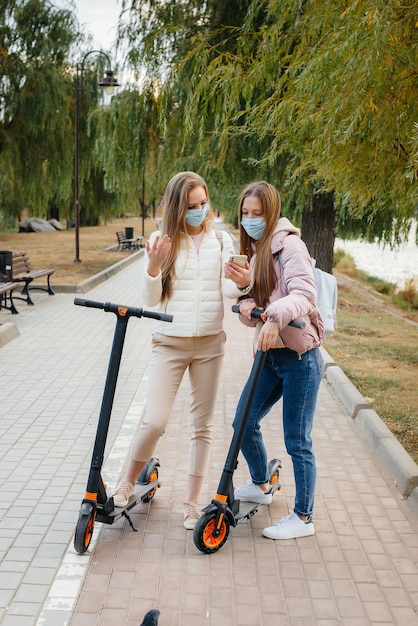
(198, 288)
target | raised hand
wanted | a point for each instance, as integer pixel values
(157, 253)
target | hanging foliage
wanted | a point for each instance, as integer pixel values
(318, 97)
(35, 107)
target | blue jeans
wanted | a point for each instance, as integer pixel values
(297, 379)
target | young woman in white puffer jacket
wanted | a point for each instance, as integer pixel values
(184, 277)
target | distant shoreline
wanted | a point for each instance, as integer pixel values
(395, 266)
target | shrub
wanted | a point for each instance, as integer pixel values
(380, 285)
(407, 298)
(344, 263)
(338, 255)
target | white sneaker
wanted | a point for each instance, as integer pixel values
(290, 527)
(252, 493)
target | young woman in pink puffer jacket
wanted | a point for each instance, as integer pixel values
(283, 286)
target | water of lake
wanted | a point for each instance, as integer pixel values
(395, 266)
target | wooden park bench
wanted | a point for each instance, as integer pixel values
(6, 296)
(22, 272)
(124, 243)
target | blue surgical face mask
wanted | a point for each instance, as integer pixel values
(254, 226)
(195, 217)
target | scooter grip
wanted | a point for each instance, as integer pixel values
(162, 317)
(90, 303)
(298, 324)
(256, 314)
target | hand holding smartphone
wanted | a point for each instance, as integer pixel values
(238, 259)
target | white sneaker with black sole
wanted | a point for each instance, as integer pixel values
(252, 493)
(290, 527)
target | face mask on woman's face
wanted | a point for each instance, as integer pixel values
(195, 217)
(254, 226)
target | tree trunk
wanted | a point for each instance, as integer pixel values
(318, 229)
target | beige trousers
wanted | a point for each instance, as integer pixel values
(170, 358)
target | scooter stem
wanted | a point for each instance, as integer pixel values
(242, 420)
(107, 404)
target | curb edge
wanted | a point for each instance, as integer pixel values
(395, 458)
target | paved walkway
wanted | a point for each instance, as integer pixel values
(361, 567)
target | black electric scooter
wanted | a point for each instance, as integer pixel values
(212, 529)
(96, 506)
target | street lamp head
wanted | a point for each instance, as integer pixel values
(109, 82)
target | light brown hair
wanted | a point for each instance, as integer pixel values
(174, 206)
(264, 275)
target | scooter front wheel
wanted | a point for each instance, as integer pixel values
(84, 531)
(203, 535)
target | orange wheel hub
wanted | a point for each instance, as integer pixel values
(208, 539)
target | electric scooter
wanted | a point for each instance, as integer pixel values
(212, 528)
(96, 505)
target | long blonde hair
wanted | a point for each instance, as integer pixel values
(174, 206)
(264, 275)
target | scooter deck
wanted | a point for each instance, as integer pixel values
(140, 491)
(246, 510)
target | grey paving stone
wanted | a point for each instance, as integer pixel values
(360, 568)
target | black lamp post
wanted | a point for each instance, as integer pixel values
(109, 83)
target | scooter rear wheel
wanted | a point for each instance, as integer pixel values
(273, 468)
(153, 475)
(83, 532)
(203, 536)
(274, 479)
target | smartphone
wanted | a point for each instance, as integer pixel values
(239, 259)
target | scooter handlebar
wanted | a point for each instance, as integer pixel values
(257, 313)
(123, 311)
(162, 317)
(90, 303)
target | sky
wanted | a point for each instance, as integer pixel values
(99, 17)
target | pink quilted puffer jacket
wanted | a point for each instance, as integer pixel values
(294, 296)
